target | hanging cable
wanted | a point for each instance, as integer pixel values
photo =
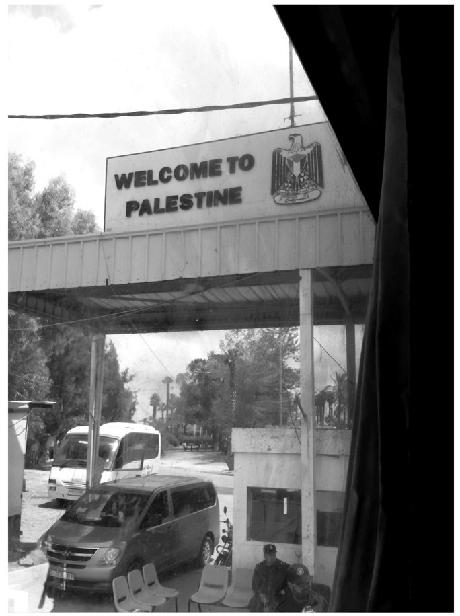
(130, 114)
(333, 358)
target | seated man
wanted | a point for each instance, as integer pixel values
(268, 582)
(298, 595)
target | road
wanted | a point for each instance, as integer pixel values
(39, 512)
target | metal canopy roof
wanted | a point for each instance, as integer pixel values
(222, 276)
(243, 301)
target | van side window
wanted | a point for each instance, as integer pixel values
(130, 453)
(192, 499)
(183, 501)
(158, 511)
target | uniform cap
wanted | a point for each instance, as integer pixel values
(269, 548)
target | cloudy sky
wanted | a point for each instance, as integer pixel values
(133, 56)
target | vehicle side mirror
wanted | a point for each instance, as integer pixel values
(225, 509)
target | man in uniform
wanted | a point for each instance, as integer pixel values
(298, 595)
(268, 582)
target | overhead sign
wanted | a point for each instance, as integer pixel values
(291, 170)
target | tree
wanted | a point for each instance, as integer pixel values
(259, 357)
(28, 375)
(54, 208)
(240, 386)
(118, 401)
(155, 402)
(22, 218)
(53, 361)
(83, 222)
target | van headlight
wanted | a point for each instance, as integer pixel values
(45, 543)
(109, 556)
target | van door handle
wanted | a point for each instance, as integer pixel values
(138, 475)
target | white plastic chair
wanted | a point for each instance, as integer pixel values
(123, 599)
(152, 583)
(240, 592)
(140, 592)
(213, 586)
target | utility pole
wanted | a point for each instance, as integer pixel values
(95, 405)
(291, 85)
(167, 380)
(281, 379)
(231, 364)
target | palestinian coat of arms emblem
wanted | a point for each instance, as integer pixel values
(297, 172)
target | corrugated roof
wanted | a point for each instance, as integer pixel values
(28, 405)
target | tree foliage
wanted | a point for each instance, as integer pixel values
(22, 220)
(242, 385)
(28, 374)
(53, 362)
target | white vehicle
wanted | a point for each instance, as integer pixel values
(125, 450)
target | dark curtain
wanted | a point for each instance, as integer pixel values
(377, 508)
(383, 76)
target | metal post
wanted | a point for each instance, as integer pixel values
(95, 405)
(281, 381)
(307, 452)
(167, 380)
(291, 85)
(98, 400)
(92, 398)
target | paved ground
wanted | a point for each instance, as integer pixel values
(24, 594)
(39, 513)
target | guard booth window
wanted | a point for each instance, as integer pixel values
(329, 509)
(274, 515)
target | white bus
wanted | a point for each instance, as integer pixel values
(125, 450)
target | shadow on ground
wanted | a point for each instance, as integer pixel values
(52, 504)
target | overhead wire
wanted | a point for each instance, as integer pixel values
(177, 111)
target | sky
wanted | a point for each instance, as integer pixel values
(133, 56)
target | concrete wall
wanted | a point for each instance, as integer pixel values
(270, 458)
(266, 458)
(17, 435)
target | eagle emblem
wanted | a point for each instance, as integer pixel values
(297, 172)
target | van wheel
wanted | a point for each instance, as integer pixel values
(206, 551)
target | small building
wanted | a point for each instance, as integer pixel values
(268, 484)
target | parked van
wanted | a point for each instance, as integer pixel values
(117, 527)
(125, 450)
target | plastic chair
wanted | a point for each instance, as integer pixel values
(240, 592)
(140, 592)
(123, 599)
(213, 586)
(152, 583)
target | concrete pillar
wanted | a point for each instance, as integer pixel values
(95, 405)
(351, 367)
(308, 415)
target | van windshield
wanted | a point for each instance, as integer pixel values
(73, 451)
(104, 508)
